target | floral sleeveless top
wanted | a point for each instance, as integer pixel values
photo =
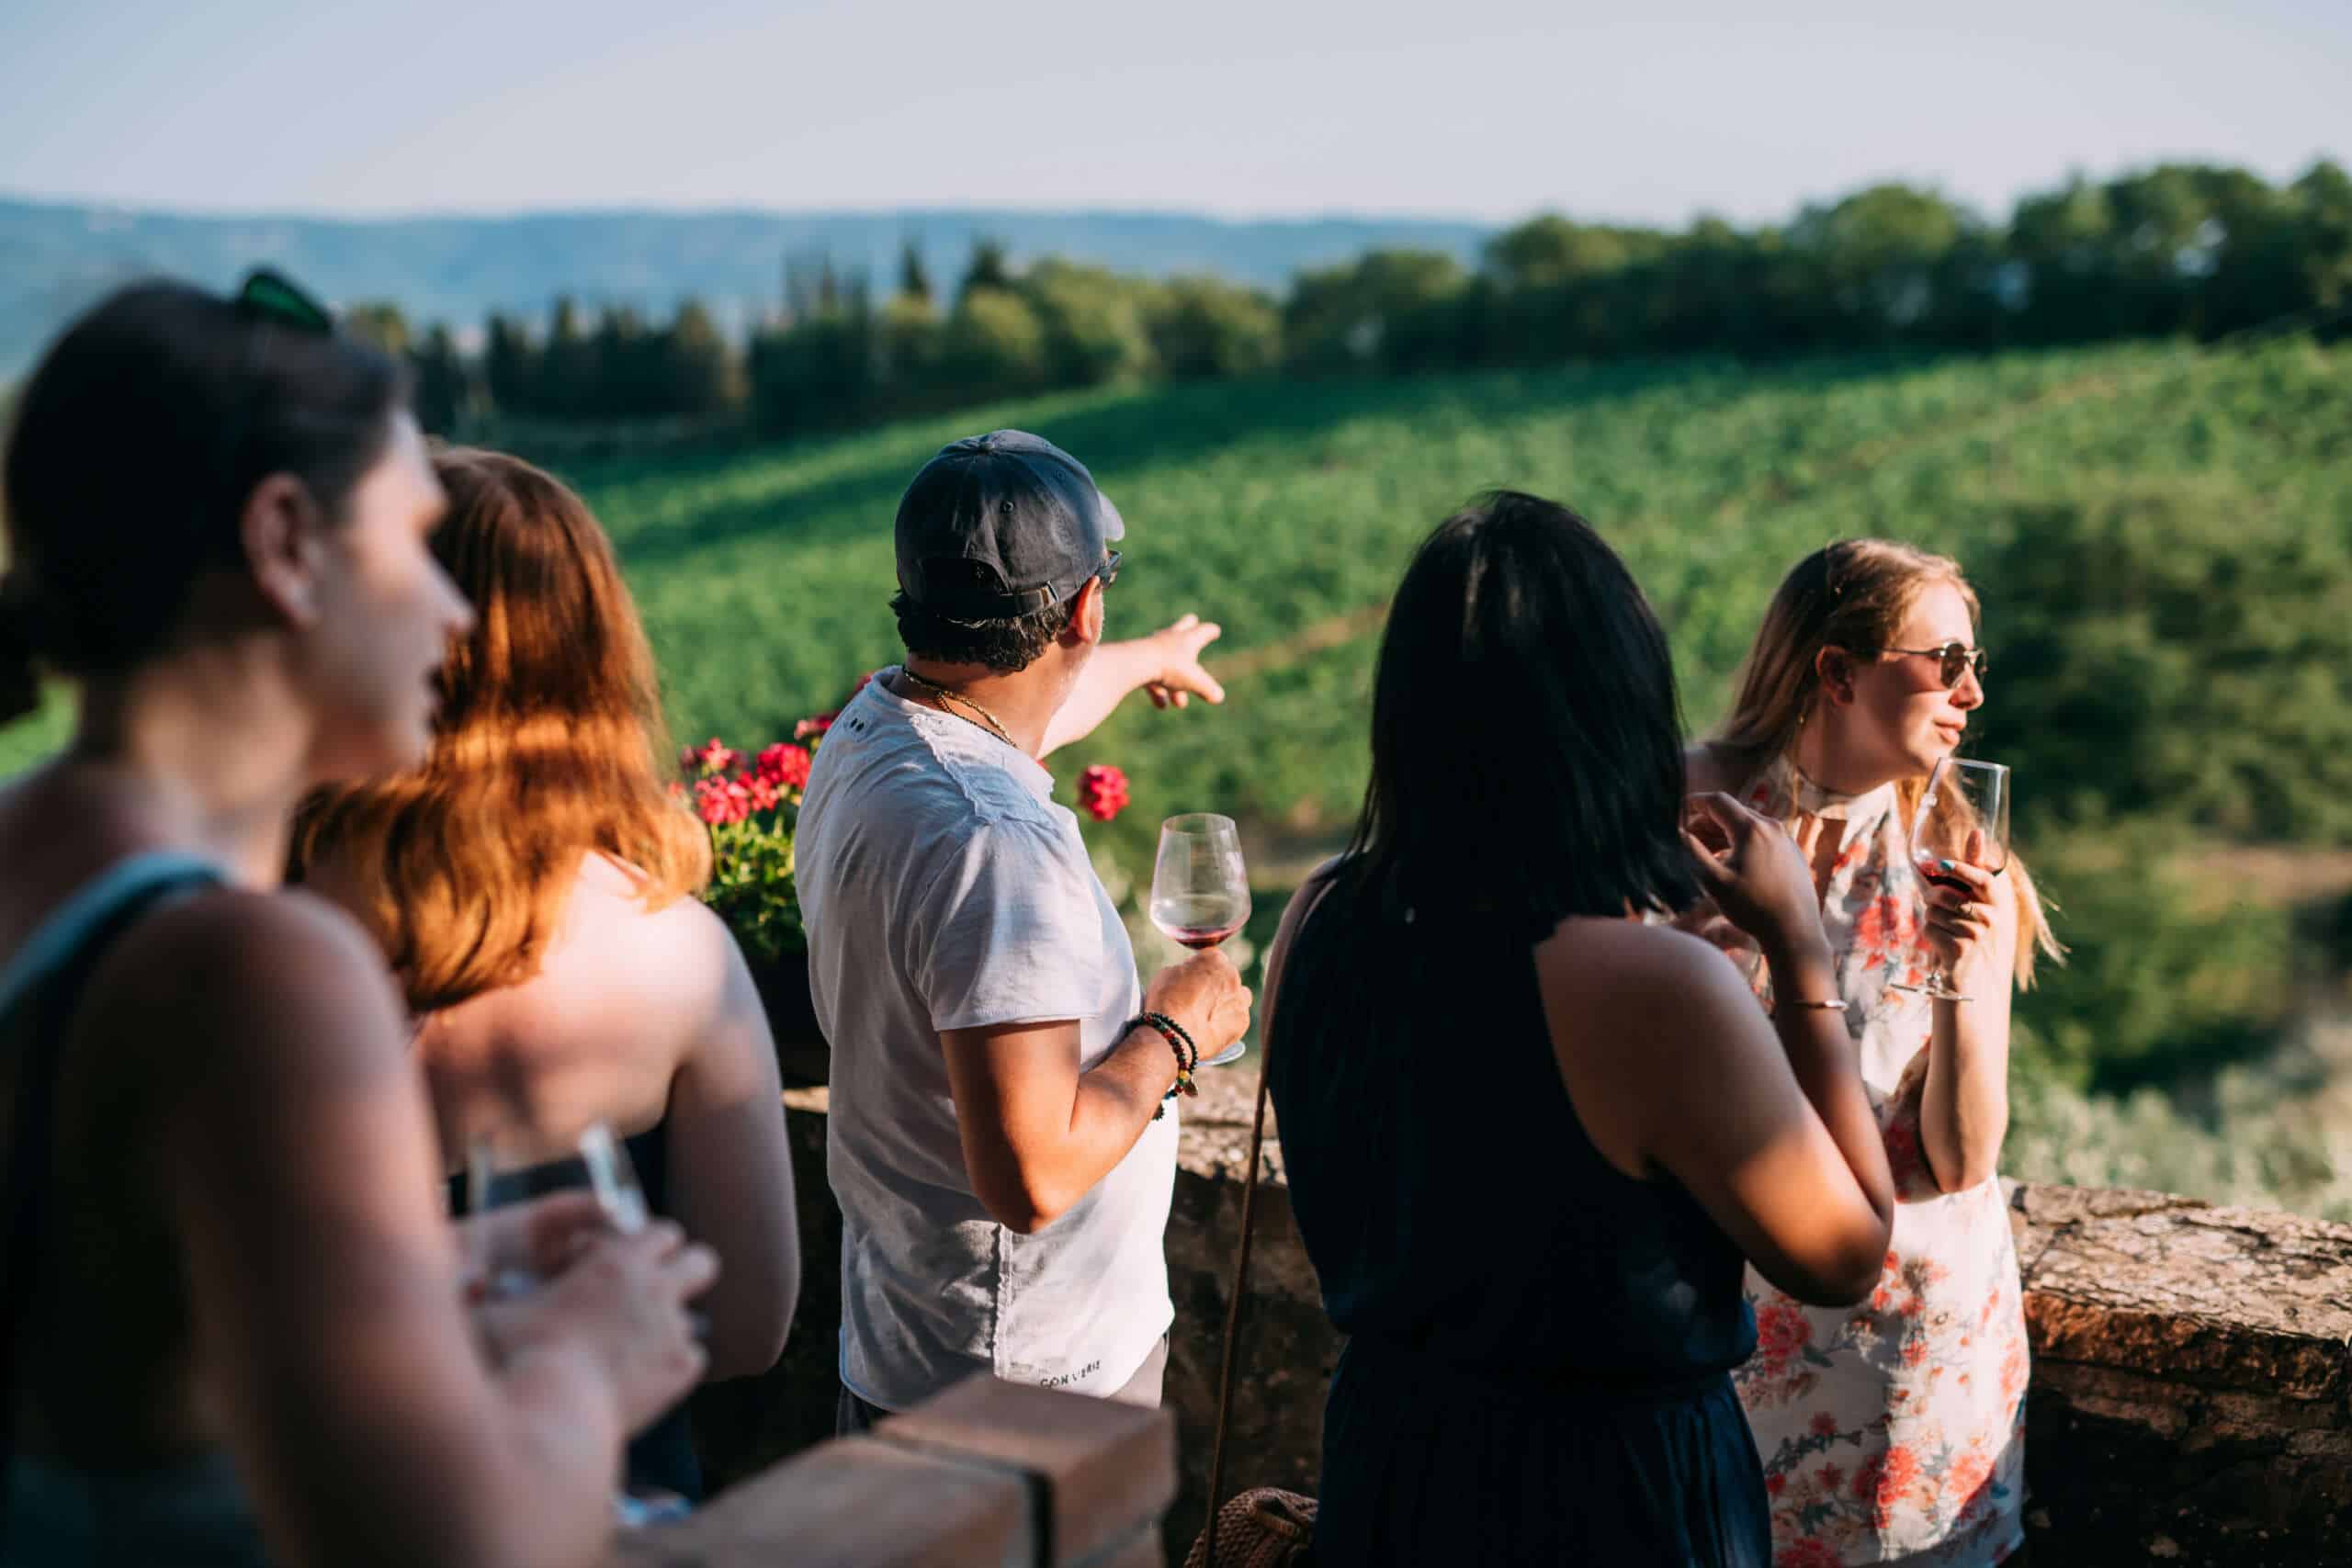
(1891, 1432)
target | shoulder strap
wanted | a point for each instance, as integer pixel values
(40, 1005)
(1239, 1291)
(1233, 1300)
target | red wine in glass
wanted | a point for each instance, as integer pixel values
(1930, 869)
(1200, 890)
(1199, 937)
(1964, 800)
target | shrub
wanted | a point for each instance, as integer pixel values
(2159, 654)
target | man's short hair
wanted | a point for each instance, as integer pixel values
(1007, 647)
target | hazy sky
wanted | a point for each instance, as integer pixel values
(1485, 108)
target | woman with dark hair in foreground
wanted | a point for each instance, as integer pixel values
(1532, 1139)
(235, 1327)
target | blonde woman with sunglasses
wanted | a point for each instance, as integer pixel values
(1891, 1432)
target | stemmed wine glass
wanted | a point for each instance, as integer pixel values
(1200, 891)
(1963, 797)
(496, 1177)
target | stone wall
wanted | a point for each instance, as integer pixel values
(2191, 1399)
(2190, 1380)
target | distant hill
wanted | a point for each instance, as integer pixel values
(55, 257)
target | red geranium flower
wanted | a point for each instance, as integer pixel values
(1102, 792)
(816, 724)
(713, 756)
(760, 792)
(784, 765)
(721, 801)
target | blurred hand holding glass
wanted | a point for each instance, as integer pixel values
(496, 1178)
(509, 1266)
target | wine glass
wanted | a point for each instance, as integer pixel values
(498, 1174)
(1200, 890)
(1963, 796)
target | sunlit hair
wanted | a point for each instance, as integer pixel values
(1526, 739)
(1854, 594)
(549, 745)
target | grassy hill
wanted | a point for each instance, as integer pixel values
(1285, 510)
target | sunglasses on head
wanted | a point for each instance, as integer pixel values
(267, 296)
(1109, 572)
(271, 295)
(1951, 659)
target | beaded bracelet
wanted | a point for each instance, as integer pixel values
(1187, 1054)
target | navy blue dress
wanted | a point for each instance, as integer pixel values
(1540, 1344)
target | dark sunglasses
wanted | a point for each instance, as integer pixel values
(1109, 572)
(1952, 659)
(271, 295)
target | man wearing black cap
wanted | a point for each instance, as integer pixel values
(997, 1137)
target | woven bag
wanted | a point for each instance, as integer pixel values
(1265, 1529)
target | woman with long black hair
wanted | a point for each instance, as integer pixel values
(1532, 1139)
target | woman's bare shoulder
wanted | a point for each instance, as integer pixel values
(679, 954)
(258, 974)
(1628, 981)
(1639, 1015)
(1618, 954)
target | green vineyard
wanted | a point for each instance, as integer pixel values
(2162, 535)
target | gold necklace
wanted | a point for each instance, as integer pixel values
(945, 695)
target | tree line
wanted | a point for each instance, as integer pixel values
(2191, 250)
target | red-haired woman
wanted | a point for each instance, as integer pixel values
(531, 883)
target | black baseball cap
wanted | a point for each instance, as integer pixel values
(1000, 525)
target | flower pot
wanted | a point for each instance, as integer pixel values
(801, 1054)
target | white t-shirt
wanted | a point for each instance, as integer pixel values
(944, 890)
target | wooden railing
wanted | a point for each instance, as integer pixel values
(991, 1474)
